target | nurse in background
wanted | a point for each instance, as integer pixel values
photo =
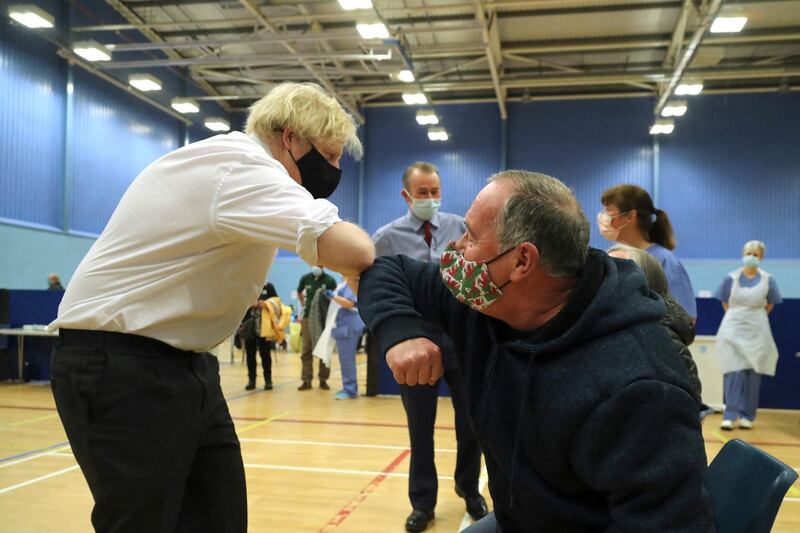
(348, 329)
(745, 346)
(631, 218)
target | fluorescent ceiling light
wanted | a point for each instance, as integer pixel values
(145, 82)
(373, 31)
(31, 16)
(426, 116)
(406, 76)
(674, 108)
(662, 127)
(415, 98)
(217, 124)
(184, 105)
(728, 24)
(92, 51)
(437, 134)
(691, 89)
(349, 5)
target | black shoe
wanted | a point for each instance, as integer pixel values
(268, 385)
(251, 384)
(305, 386)
(418, 520)
(476, 505)
(324, 385)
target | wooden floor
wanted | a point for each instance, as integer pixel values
(313, 464)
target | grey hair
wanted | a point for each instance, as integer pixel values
(754, 245)
(423, 166)
(649, 265)
(543, 211)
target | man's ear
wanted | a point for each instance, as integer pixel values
(526, 261)
(288, 136)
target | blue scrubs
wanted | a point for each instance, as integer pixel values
(678, 282)
(347, 331)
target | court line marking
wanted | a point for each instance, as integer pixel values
(263, 422)
(31, 452)
(341, 471)
(38, 479)
(467, 520)
(31, 420)
(339, 444)
(359, 498)
(35, 456)
(343, 423)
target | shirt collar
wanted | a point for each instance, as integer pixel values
(256, 138)
(415, 222)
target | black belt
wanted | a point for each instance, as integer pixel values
(113, 339)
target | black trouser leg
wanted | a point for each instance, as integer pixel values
(420, 402)
(265, 349)
(152, 434)
(250, 347)
(468, 458)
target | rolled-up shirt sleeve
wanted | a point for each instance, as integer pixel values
(258, 201)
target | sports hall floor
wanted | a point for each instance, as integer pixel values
(313, 464)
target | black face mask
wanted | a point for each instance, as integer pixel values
(319, 177)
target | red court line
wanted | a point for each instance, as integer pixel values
(353, 504)
(336, 422)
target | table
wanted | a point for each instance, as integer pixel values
(20, 334)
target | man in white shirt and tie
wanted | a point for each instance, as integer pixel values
(184, 254)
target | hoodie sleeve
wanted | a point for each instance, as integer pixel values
(643, 449)
(400, 299)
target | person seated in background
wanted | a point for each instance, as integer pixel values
(585, 416)
(347, 331)
(745, 346)
(679, 324)
(54, 283)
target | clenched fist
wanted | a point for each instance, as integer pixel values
(415, 361)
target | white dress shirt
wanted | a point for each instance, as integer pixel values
(190, 243)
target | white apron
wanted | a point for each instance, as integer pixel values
(744, 339)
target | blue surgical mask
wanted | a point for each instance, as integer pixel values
(317, 271)
(425, 208)
(751, 261)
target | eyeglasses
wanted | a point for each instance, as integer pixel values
(606, 219)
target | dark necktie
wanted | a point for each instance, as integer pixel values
(428, 237)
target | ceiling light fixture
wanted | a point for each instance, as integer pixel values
(217, 124)
(426, 117)
(377, 30)
(688, 89)
(145, 82)
(728, 24)
(185, 105)
(662, 127)
(92, 51)
(437, 134)
(674, 108)
(31, 16)
(415, 98)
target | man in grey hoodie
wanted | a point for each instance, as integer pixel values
(584, 413)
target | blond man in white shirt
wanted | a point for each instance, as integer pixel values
(182, 257)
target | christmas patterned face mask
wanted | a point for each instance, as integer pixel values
(469, 281)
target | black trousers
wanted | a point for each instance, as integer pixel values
(265, 349)
(420, 403)
(373, 364)
(151, 432)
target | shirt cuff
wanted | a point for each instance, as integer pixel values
(321, 216)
